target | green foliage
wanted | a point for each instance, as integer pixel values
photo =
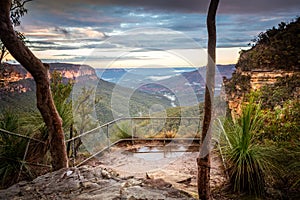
(282, 129)
(238, 84)
(248, 161)
(61, 92)
(283, 123)
(12, 151)
(9, 120)
(282, 110)
(294, 170)
(61, 95)
(290, 161)
(139, 103)
(284, 89)
(123, 130)
(83, 109)
(17, 10)
(277, 48)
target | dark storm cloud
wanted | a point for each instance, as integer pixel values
(46, 45)
(32, 42)
(62, 31)
(200, 6)
(88, 24)
(52, 47)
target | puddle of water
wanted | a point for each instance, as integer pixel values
(161, 152)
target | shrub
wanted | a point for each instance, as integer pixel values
(123, 130)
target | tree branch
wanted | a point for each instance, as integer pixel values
(19, 5)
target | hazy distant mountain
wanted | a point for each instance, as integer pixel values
(188, 83)
(177, 84)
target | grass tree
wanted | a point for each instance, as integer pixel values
(248, 161)
(12, 149)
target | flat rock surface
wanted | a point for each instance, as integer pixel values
(88, 182)
(180, 171)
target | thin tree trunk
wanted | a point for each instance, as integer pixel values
(39, 71)
(203, 161)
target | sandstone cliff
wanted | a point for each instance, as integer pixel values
(14, 78)
(275, 57)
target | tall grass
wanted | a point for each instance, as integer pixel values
(248, 161)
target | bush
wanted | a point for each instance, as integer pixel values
(123, 130)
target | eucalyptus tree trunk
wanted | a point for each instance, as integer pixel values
(40, 72)
(203, 161)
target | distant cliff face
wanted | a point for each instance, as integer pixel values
(242, 82)
(73, 71)
(275, 56)
(14, 78)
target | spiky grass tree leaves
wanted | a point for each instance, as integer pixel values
(248, 161)
(12, 150)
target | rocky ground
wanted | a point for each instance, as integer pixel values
(179, 171)
(119, 174)
(88, 182)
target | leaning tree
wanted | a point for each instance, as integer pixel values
(203, 161)
(39, 72)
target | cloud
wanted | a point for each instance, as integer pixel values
(61, 30)
(82, 25)
(198, 6)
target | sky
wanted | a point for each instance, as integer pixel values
(146, 33)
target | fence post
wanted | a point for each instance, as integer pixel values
(107, 135)
(73, 152)
(24, 158)
(132, 131)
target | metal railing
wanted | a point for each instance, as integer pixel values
(134, 135)
(108, 136)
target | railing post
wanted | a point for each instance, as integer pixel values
(24, 158)
(132, 131)
(73, 151)
(107, 135)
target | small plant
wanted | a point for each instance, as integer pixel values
(169, 134)
(248, 161)
(123, 130)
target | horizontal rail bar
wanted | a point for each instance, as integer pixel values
(19, 135)
(129, 139)
(36, 164)
(175, 151)
(126, 118)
